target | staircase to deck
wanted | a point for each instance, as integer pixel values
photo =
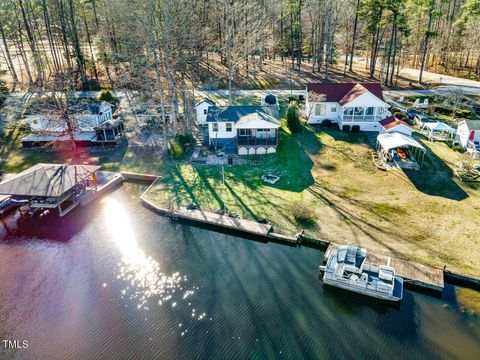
(199, 141)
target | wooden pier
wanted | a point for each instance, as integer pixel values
(414, 274)
(223, 221)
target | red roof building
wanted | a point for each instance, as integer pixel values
(353, 106)
(343, 93)
(391, 124)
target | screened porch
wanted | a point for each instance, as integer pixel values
(363, 114)
(257, 137)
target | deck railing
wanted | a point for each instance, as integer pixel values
(359, 118)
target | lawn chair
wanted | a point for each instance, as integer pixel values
(402, 99)
(416, 104)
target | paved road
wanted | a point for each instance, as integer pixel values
(443, 83)
(16, 100)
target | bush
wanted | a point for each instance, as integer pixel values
(293, 118)
(93, 85)
(176, 150)
(108, 97)
(458, 148)
(302, 212)
(183, 140)
(178, 146)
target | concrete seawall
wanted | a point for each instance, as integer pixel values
(138, 176)
(422, 284)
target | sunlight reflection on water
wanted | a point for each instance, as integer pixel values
(143, 273)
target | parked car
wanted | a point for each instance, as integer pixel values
(405, 118)
(421, 119)
(411, 113)
(394, 109)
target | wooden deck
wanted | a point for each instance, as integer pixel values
(413, 273)
(205, 217)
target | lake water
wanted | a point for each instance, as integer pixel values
(115, 280)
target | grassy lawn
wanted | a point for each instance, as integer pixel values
(13, 158)
(427, 216)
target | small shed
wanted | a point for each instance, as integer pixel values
(468, 131)
(392, 124)
(400, 150)
(438, 131)
(201, 109)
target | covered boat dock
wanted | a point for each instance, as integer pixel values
(53, 186)
(397, 150)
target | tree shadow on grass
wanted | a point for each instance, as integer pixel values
(368, 228)
(436, 178)
(292, 163)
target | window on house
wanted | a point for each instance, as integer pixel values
(380, 111)
(369, 111)
(333, 108)
(228, 127)
(320, 109)
(358, 111)
(214, 127)
(204, 111)
(348, 111)
(244, 132)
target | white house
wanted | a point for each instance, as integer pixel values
(468, 131)
(391, 124)
(44, 116)
(243, 130)
(201, 109)
(352, 106)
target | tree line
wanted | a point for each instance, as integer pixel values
(158, 46)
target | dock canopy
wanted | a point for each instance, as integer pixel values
(390, 141)
(437, 130)
(47, 180)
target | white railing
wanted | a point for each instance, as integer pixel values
(360, 118)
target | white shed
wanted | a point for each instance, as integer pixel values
(391, 124)
(201, 109)
(468, 131)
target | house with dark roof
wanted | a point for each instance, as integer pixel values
(243, 130)
(468, 134)
(93, 124)
(353, 106)
(45, 116)
(201, 109)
